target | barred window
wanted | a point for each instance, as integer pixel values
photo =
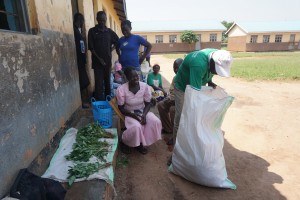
(13, 15)
(278, 38)
(266, 38)
(213, 37)
(253, 39)
(159, 39)
(172, 38)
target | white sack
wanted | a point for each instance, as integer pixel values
(198, 152)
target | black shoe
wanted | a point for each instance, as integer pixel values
(124, 148)
(141, 149)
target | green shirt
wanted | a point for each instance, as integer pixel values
(194, 70)
(154, 80)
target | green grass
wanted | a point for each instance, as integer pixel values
(262, 65)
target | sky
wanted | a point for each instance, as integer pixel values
(228, 10)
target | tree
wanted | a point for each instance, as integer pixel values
(227, 25)
(189, 37)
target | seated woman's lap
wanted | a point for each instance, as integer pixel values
(136, 133)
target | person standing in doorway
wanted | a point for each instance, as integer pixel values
(81, 58)
(101, 41)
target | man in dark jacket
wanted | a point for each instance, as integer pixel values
(101, 41)
(81, 58)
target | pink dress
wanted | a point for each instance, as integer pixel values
(136, 133)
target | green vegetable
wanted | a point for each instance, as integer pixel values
(88, 145)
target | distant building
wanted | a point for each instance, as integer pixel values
(264, 36)
(165, 35)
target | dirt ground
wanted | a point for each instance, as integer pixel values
(261, 149)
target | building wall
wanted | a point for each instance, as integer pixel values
(285, 37)
(238, 40)
(261, 47)
(284, 45)
(236, 43)
(172, 47)
(39, 85)
(179, 46)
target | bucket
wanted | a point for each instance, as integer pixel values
(102, 113)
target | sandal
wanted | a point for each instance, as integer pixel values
(142, 149)
(124, 148)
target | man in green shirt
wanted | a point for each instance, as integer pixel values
(197, 70)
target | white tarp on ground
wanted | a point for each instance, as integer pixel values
(198, 153)
(59, 166)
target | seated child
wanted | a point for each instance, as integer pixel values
(155, 81)
(117, 78)
(119, 75)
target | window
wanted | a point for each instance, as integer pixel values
(278, 38)
(253, 39)
(172, 38)
(266, 38)
(145, 37)
(292, 37)
(213, 37)
(199, 37)
(159, 39)
(13, 15)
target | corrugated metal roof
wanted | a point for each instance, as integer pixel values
(168, 26)
(280, 26)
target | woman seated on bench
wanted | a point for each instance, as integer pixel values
(143, 128)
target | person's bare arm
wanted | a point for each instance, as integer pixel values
(98, 57)
(128, 113)
(143, 56)
(146, 110)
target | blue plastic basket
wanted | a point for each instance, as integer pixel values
(102, 112)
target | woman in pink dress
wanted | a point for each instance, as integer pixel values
(143, 128)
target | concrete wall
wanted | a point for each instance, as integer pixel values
(261, 47)
(38, 85)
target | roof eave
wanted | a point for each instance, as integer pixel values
(120, 8)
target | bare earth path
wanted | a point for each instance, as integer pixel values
(262, 148)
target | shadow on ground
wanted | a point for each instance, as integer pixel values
(146, 177)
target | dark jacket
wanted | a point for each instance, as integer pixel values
(102, 42)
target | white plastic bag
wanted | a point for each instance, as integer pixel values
(198, 152)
